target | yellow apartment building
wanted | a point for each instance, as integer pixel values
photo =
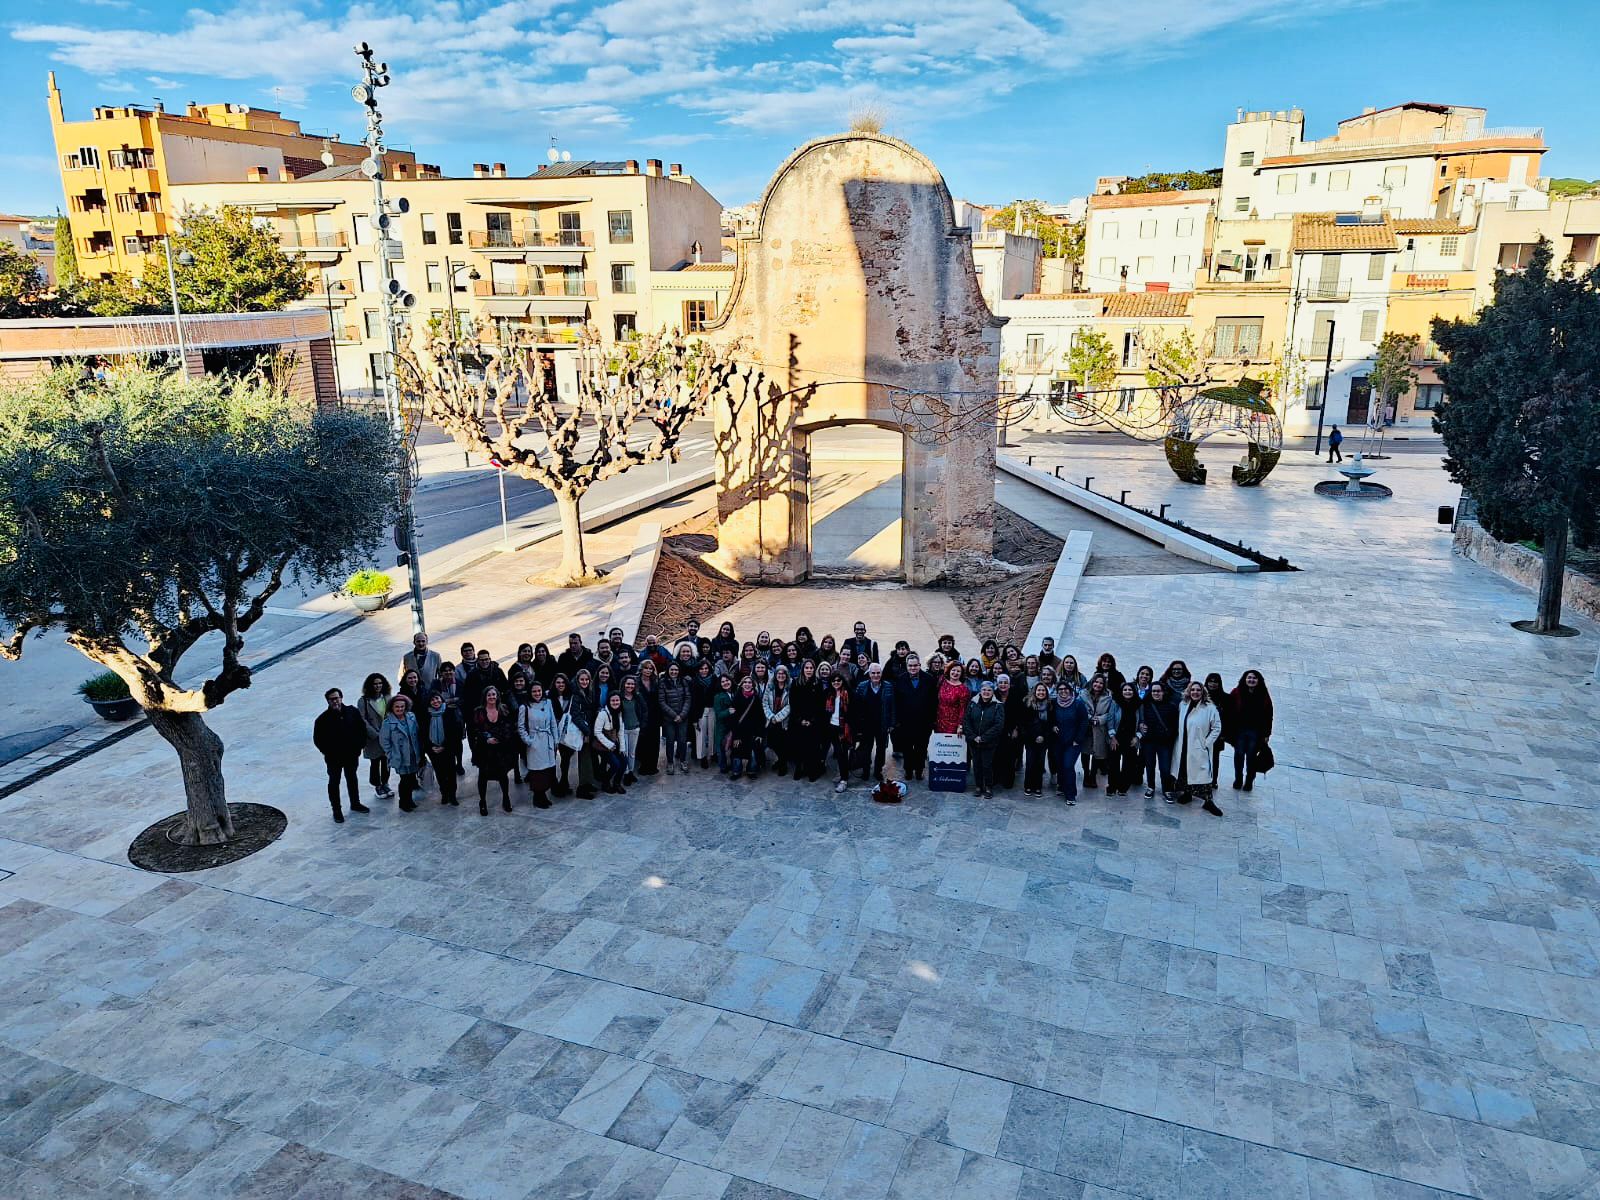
(119, 166)
(613, 244)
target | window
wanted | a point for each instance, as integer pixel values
(1125, 397)
(362, 229)
(571, 227)
(622, 277)
(367, 273)
(1035, 350)
(1241, 204)
(1375, 266)
(371, 323)
(1428, 396)
(1145, 264)
(460, 277)
(1369, 325)
(1058, 390)
(83, 156)
(1339, 181)
(498, 227)
(430, 230)
(1247, 158)
(1583, 248)
(132, 245)
(696, 315)
(435, 277)
(1108, 268)
(619, 227)
(624, 326)
(1515, 255)
(1513, 201)
(1147, 229)
(1130, 349)
(1288, 184)
(1185, 226)
(375, 368)
(1314, 395)
(1108, 230)
(1180, 266)
(1449, 247)
(452, 224)
(1237, 337)
(1394, 176)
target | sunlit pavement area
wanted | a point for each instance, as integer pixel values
(1375, 977)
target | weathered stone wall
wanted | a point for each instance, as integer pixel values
(855, 292)
(1580, 594)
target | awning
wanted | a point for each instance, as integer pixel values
(529, 199)
(561, 306)
(499, 306)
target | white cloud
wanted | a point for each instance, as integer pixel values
(530, 66)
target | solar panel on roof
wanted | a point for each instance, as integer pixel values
(1347, 219)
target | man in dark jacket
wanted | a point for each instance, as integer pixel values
(1070, 726)
(916, 695)
(984, 726)
(871, 719)
(486, 674)
(341, 735)
(575, 657)
(864, 649)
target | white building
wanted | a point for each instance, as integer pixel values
(1411, 160)
(1007, 265)
(1153, 241)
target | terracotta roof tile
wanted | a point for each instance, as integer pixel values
(1317, 232)
(1126, 304)
(1430, 225)
(1148, 199)
(705, 266)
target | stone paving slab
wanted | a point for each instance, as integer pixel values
(1376, 977)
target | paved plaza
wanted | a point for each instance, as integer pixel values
(1374, 979)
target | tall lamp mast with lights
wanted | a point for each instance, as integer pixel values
(395, 300)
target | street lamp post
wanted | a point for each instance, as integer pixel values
(394, 299)
(187, 260)
(1327, 375)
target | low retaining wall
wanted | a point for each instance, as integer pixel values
(637, 575)
(1517, 563)
(1185, 545)
(1055, 609)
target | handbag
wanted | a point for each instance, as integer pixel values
(568, 733)
(1263, 761)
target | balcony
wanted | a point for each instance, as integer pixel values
(1316, 349)
(1248, 353)
(524, 242)
(1327, 292)
(538, 289)
(314, 247)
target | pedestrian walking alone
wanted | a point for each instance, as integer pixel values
(1335, 440)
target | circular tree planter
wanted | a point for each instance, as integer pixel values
(256, 826)
(1558, 631)
(124, 709)
(370, 604)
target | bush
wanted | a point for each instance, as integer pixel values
(107, 685)
(368, 583)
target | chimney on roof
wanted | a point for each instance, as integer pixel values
(652, 168)
(1367, 110)
(1122, 284)
(675, 170)
(285, 175)
(194, 109)
(1238, 115)
(633, 166)
(499, 170)
(480, 170)
(256, 174)
(401, 170)
(696, 251)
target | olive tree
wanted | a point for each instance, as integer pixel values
(145, 512)
(630, 406)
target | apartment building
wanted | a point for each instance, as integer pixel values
(1411, 160)
(1007, 264)
(119, 166)
(34, 237)
(1148, 241)
(540, 254)
(1040, 329)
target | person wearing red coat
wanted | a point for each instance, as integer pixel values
(950, 710)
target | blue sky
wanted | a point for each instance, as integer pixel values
(1008, 98)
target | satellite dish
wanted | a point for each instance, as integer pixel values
(327, 158)
(553, 154)
(370, 168)
(566, 156)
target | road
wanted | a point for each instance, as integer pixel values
(458, 513)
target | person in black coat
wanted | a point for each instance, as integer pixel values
(486, 674)
(1158, 733)
(442, 731)
(575, 657)
(340, 734)
(862, 648)
(916, 695)
(871, 719)
(808, 722)
(1250, 709)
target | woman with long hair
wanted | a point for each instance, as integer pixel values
(1176, 678)
(950, 708)
(519, 696)
(1068, 672)
(1103, 718)
(1036, 735)
(677, 702)
(536, 730)
(1125, 743)
(609, 746)
(828, 649)
(493, 735)
(837, 709)
(975, 676)
(1198, 727)
(722, 720)
(584, 707)
(1218, 695)
(1106, 665)
(725, 638)
(775, 706)
(1142, 679)
(805, 643)
(374, 707)
(749, 721)
(1252, 726)
(702, 716)
(1158, 731)
(647, 754)
(806, 718)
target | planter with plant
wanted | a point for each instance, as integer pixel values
(108, 695)
(369, 590)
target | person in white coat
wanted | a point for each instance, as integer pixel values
(1199, 726)
(536, 726)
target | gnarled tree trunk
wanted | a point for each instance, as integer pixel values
(200, 755)
(574, 566)
(1551, 582)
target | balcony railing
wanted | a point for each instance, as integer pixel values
(1316, 349)
(533, 287)
(296, 240)
(1324, 291)
(526, 238)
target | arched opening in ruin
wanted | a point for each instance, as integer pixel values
(855, 501)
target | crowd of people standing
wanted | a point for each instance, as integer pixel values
(590, 721)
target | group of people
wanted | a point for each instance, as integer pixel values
(587, 721)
